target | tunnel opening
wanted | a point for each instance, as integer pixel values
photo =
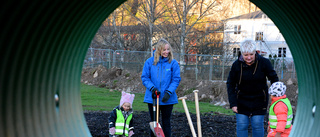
(43, 45)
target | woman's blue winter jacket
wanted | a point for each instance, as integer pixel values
(163, 76)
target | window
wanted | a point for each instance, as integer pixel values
(259, 36)
(236, 52)
(282, 52)
(237, 29)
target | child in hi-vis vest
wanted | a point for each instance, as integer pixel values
(280, 113)
(120, 119)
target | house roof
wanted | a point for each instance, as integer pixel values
(252, 15)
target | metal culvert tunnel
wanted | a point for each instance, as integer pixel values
(43, 45)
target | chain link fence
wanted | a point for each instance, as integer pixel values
(193, 66)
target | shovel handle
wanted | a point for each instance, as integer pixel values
(154, 111)
(158, 108)
(188, 115)
(196, 99)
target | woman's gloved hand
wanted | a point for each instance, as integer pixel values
(155, 92)
(166, 96)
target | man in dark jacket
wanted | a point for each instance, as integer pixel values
(248, 89)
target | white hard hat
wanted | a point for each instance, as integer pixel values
(277, 89)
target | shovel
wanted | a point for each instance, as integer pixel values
(155, 126)
(158, 130)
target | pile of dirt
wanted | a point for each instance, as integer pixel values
(123, 80)
(209, 91)
(113, 79)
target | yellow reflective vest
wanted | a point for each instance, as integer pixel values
(122, 125)
(273, 118)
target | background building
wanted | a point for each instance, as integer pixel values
(256, 26)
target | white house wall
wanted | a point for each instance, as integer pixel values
(271, 34)
(274, 47)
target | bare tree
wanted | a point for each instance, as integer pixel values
(189, 14)
(109, 33)
(182, 22)
(150, 11)
(120, 32)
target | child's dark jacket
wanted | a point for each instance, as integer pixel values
(113, 117)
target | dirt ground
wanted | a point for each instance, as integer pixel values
(209, 91)
(212, 124)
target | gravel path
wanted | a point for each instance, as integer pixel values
(213, 125)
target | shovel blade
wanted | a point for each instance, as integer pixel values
(152, 126)
(158, 131)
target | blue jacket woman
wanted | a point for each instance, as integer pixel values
(161, 74)
(164, 76)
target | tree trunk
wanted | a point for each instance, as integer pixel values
(183, 33)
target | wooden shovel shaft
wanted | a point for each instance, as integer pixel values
(188, 116)
(198, 112)
(157, 129)
(157, 108)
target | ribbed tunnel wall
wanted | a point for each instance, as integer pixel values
(43, 44)
(298, 22)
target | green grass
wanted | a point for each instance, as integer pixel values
(101, 99)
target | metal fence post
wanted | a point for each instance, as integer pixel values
(91, 56)
(114, 59)
(211, 68)
(109, 58)
(196, 70)
(223, 59)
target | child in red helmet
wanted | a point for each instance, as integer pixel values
(280, 113)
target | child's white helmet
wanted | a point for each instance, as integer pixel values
(277, 89)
